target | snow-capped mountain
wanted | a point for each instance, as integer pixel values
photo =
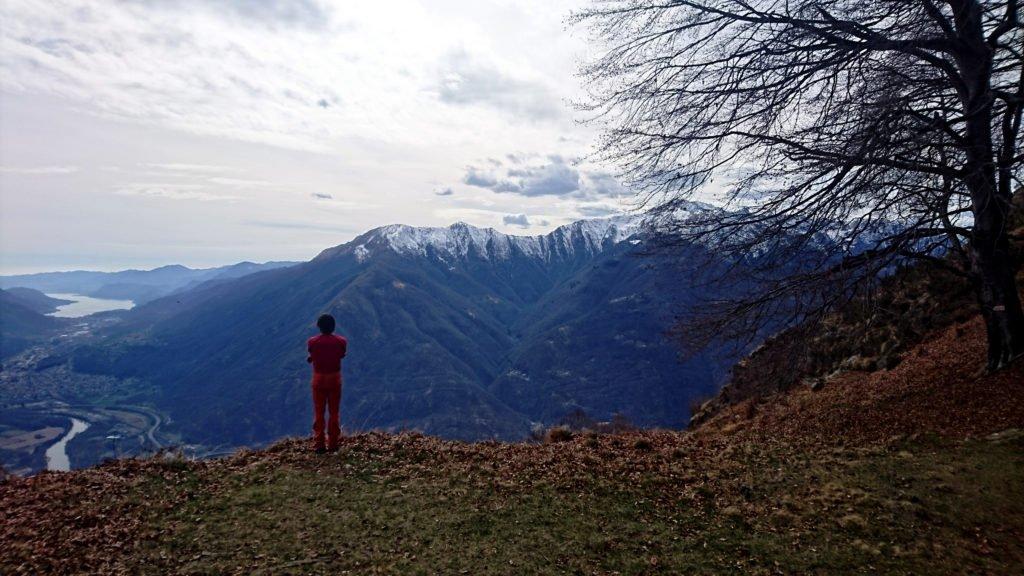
(459, 331)
(461, 240)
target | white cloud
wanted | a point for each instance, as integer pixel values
(185, 109)
(465, 81)
(190, 168)
(238, 182)
(270, 13)
(38, 169)
(294, 74)
(174, 191)
(598, 210)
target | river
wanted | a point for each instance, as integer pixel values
(85, 305)
(57, 455)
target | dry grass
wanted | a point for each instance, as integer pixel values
(597, 504)
(940, 388)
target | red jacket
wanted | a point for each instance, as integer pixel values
(326, 352)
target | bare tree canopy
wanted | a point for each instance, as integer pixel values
(871, 131)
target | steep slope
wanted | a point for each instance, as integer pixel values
(596, 342)
(20, 326)
(871, 332)
(913, 469)
(940, 388)
(35, 300)
(436, 319)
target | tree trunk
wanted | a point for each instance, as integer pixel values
(991, 262)
(998, 297)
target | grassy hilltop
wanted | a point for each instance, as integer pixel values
(639, 503)
(914, 470)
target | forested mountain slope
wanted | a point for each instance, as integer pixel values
(459, 331)
(21, 325)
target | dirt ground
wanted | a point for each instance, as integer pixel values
(28, 440)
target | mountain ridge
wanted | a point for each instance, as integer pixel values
(22, 324)
(461, 239)
(133, 284)
(436, 317)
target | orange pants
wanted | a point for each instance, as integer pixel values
(326, 394)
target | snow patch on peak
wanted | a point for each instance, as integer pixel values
(599, 231)
(462, 240)
(361, 253)
(459, 239)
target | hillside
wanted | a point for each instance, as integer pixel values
(137, 285)
(460, 332)
(940, 387)
(919, 469)
(35, 300)
(641, 503)
(873, 332)
(21, 326)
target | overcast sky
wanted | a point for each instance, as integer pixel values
(138, 133)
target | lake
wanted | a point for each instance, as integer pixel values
(57, 455)
(85, 305)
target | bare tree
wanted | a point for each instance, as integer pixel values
(844, 136)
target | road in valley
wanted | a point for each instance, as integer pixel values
(150, 434)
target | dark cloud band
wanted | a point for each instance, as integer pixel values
(551, 175)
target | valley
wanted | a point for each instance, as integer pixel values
(42, 397)
(85, 305)
(54, 416)
(589, 287)
(106, 425)
(461, 332)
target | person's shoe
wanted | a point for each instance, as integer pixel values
(320, 450)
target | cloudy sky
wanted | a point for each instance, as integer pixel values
(136, 133)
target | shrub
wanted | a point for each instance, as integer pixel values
(578, 420)
(643, 444)
(558, 434)
(620, 423)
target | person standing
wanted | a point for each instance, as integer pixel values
(325, 353)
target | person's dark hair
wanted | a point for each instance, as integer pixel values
(325, 323)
